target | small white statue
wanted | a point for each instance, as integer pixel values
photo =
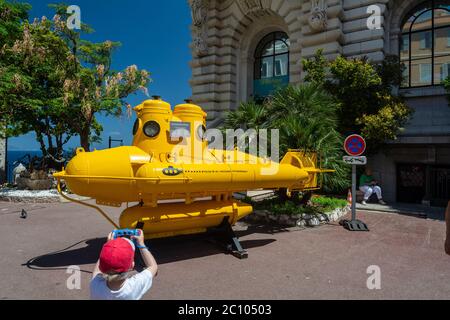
(17, 171)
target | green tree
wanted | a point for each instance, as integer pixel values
(32, 73)
(364, 94)
(12, 14)
(54, 83)
(11, 17)
(307, 118)
(316, 68)
(92, 86)
(249, 115)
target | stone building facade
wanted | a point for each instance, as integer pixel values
(242, 48)
(2, 160)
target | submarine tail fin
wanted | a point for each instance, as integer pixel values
(311, 163)
(300, 159)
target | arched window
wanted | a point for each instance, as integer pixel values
(425, 44)
(271, 64)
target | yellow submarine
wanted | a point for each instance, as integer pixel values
(169, 171)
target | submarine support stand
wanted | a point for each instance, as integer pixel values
(226, 238)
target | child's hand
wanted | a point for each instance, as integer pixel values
(110, 236)
(140, 238)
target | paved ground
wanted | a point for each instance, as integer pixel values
(435, 213)
(321, 263)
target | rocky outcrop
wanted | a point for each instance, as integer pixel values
(37, 180)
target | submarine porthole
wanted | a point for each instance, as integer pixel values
(201, 131)
(152, 129)
(135, 127)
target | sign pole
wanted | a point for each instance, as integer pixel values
(353, 192)
(354, 146)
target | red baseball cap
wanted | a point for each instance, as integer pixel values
(117, 256)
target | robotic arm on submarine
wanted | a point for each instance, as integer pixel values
(161, 165)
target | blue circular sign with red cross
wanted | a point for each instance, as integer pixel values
(355, 145)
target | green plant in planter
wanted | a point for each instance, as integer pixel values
(319, 205)
(329, 204)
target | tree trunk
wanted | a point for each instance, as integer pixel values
(84, 138)
(40, 139)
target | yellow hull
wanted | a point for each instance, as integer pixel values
(111, 176)
(174, 219)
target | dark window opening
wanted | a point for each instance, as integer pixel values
(271, 69)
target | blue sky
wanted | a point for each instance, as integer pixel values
(155, 36)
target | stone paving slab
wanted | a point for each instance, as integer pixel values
(423, 211)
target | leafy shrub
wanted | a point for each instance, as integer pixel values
(364, 92)
(306, 116)
(329, 204)
(319, 205)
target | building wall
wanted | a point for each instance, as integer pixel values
(431, 117)
(425, 140)
(2, 160)
(384, 164)
(225, 34)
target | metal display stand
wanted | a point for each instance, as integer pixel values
(226, 238)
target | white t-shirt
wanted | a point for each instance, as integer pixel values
(133, 288)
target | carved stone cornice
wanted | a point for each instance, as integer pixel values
(253, 8)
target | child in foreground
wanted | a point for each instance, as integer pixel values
(111, 279)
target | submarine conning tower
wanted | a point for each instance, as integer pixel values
(158, 130)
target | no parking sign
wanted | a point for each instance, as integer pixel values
(355, 145)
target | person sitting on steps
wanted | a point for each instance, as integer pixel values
(369, 186)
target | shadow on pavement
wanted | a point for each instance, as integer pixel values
(165, 250)
(270, 229)
(60, 260)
